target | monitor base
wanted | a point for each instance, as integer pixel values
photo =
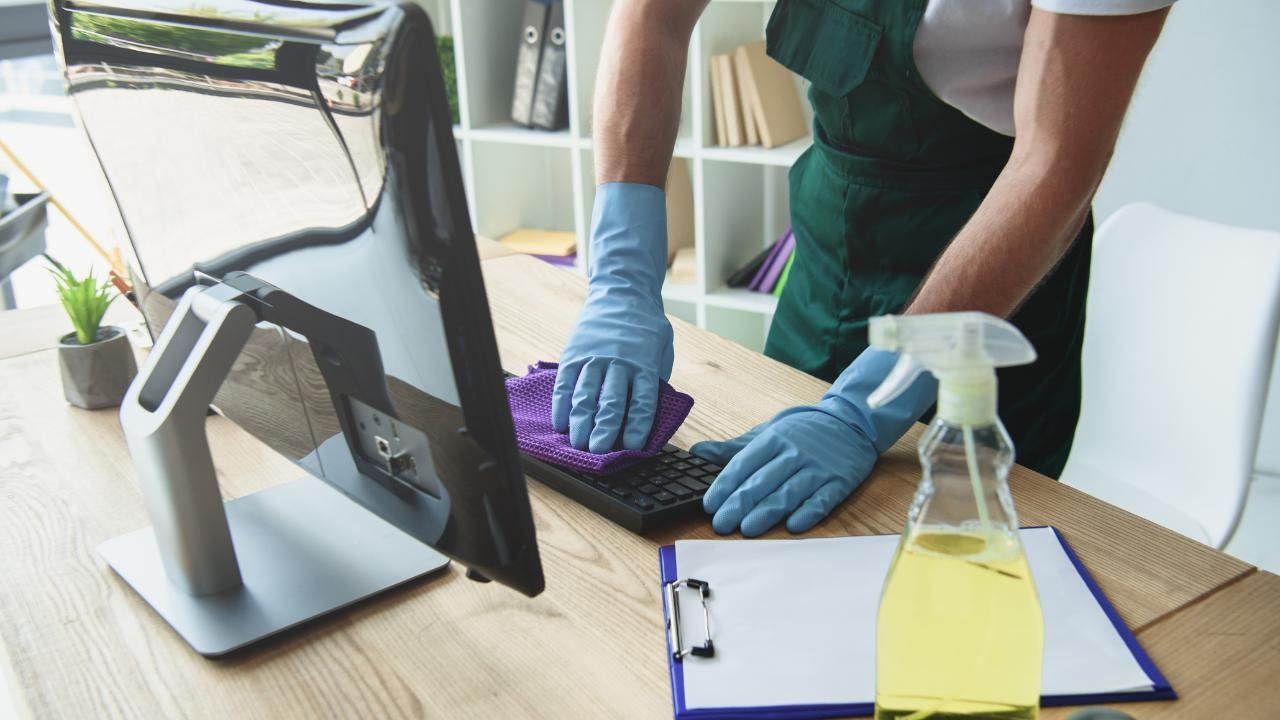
(304, 550)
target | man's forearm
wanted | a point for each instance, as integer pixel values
(639, 87)
(1010, 244)
(1075, 79)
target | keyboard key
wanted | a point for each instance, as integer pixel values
(694, 485)
(712, 468)
(683, 455)
(672, 474)
(648, 489)
(603, 485)
(697, 473)
(695, 461)
(681, 466)
(642, 502)
(665, 498)
(678, 490)
(621, 492)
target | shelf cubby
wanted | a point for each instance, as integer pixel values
(521, 186)
(747, 212)
(745, 327)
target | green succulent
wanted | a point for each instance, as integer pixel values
(85, 300)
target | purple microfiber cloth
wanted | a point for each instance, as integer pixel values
(530, 399)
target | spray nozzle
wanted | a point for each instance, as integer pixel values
(961, 349)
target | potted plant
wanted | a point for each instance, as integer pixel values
(97, 362)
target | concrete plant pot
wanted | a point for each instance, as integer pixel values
(97, 375)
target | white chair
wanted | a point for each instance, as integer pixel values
(1178, 346)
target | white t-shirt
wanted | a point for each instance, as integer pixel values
(968, 50)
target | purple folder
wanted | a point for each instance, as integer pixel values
(561, 260)
(757, 282)
(773, 268)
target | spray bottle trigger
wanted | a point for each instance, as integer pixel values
(904, 372)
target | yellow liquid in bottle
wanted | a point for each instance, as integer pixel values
(959, 634)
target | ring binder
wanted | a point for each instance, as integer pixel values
(678, 651)
(529, 60)
(550, 97)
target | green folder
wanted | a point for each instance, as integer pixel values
(786, 272)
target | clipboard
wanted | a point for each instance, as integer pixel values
(691, 647)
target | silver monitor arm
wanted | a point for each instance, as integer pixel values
(163, 416)
(226, 576)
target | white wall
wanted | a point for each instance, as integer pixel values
(1203, 134)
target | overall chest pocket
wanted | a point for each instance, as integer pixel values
(822, 42)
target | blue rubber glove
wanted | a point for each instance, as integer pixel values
(621, 344)
(808, 459)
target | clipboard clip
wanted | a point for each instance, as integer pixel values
(678, 651)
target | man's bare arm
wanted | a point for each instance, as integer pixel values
(1075, 80)
(639, 86)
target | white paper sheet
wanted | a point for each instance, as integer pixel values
(794, 622)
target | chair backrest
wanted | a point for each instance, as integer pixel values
(1179, 341)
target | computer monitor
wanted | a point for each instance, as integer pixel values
(289, 181)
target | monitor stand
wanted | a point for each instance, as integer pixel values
(226, 576)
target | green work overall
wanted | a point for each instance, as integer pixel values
(893, 175)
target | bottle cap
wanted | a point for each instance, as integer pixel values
(961, 349)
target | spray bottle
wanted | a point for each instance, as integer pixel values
(959, 633)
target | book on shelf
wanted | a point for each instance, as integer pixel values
(540, 97)
(755, 99)
(741, 277)
(529, 60)
(741, 73)
(786, 274)
(684, 268)
(767, 278)
(729, 100)
(768, 271)
(551, 98)
(555, 247)
(679, 199)
(717, 102)
(567, 261)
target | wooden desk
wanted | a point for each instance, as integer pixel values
(1222, 653)
(79, 643)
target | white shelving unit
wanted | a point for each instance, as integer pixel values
(518, 177)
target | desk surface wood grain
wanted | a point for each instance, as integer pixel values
(1221, 654)
(79, 643)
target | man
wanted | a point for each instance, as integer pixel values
(957, 148)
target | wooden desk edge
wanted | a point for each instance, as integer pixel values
(1247, 573)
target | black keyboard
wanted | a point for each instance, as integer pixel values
(641, 497)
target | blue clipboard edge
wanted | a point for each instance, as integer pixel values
(1162, 690)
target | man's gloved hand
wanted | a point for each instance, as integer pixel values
(621, 344)
(807, 459)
